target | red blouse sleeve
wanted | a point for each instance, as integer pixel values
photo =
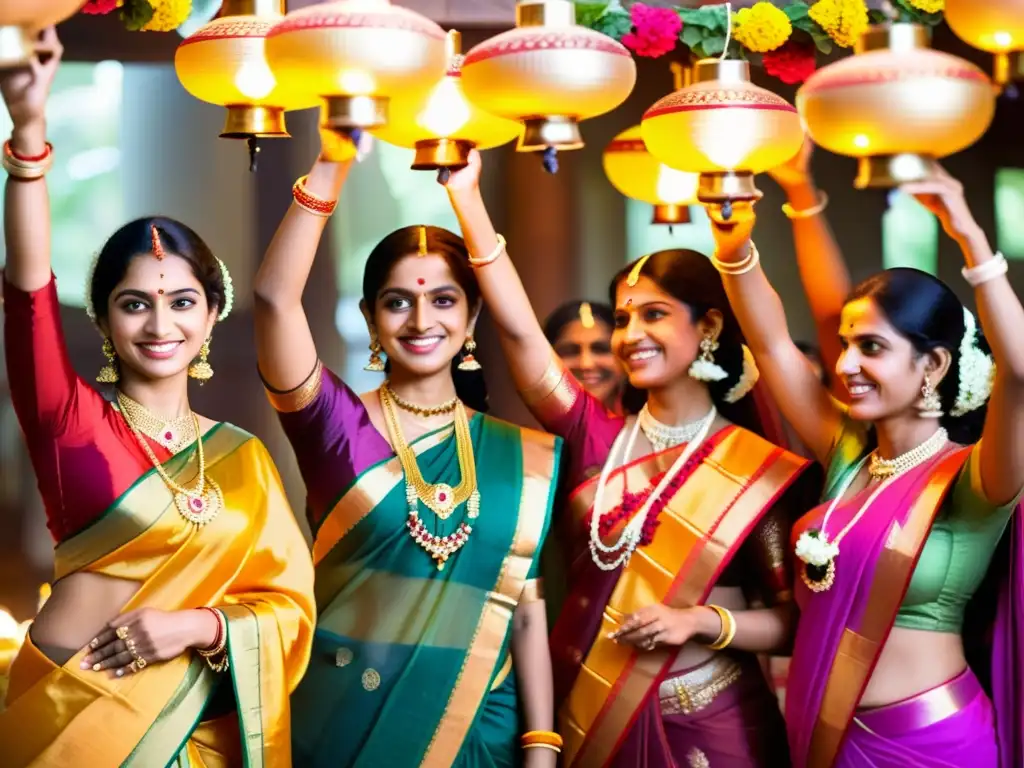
(49, 398)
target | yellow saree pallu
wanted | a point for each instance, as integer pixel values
(702, 527)
(251, 562)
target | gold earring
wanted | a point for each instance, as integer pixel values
(108, 373)
(468, 362)
(375, 364)
(930, 406)
(201, 370)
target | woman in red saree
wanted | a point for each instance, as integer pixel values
(922, 485)
(182, 606)
(688, 527)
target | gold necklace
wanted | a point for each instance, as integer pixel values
(199, 505)
(421, 410)
(880, 468)
(173, 434)
(440, 548)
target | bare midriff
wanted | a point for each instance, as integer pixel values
(79, 607)
(913, 661)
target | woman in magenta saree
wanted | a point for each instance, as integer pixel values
(652, 667)
(918, 528)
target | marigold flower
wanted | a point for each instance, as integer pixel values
(792, 63)
(929, 6)
(761, 28)
(844, 20)
(655, 30)
(168, 15)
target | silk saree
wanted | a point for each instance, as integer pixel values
(251, 562)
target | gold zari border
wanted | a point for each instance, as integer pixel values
(300, 397)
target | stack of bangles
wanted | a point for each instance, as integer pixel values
(542, 740)
(216, 655)
(309, 202)
(23, 168)
(740, 267)
(728, 628)
(491, 257)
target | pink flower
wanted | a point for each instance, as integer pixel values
(792, 63)
(100, 7)
(655, 30)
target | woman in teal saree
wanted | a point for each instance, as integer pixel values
(428, 515)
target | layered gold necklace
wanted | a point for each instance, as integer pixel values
(173, 434)
(440, 498)
(199, 504)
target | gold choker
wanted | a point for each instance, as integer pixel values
(448, 406)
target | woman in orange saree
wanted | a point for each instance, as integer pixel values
(680, 530)
(182, 605)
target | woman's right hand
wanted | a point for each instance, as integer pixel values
(26, 89)
(466, 179)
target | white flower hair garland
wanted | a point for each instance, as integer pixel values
(977, 371)
(748, 379)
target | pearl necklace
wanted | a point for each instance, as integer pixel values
(662, 436)
(814, 548)
(623, 549)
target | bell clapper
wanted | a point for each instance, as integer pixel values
(727, 210)
(550, 159)
(254, 151)
(443, 174)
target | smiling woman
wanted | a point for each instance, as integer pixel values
(428, 515)
(178, 562)
(676, 522)
(581, 334)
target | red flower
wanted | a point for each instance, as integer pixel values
(655, 30)
(792, 63)
(100, 7)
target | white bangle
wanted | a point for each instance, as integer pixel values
(491, 257)
(740, 267)
(987, 270)
(806, 213)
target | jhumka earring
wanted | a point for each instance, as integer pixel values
(930, 406)
(704, 368)
(468, 362)
(108, 373)
(376, 363)
(200, 370)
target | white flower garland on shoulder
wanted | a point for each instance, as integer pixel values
(226, 305)
(977, 371)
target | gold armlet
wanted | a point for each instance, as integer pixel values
(533, 591)
(300, 397)
(554, 394)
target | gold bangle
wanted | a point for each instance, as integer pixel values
(728, 632)
(491, 257)
(531, 738)
(539, 745)
(806, 213)
(740, 267)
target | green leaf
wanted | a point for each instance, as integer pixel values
(713, 46)
(814, 30)
(876, 16)
(711, 17)
(587, 14)
(136, 14)
(692, 35)
(615, 24)
(797, 12)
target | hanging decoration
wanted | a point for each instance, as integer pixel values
(356, 55)
(897, 105)
(550, 74)
(142, 15)
(223, 63)
(784, 38)
(20, 20)
(638, 175)
(996, 26)
(724, 128)
(441, 124)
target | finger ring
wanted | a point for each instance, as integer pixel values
(649, 644)
(140, 662)
(134, 667)
(122, 633)
(130, 645)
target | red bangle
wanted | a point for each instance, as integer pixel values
(315, 205)
(217, 637)
(9, 150)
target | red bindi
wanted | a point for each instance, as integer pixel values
(421, 281)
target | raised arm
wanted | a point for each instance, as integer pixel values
(801, 397)
(26, 201)
(522, 337)
(284, 343)
(1001, 453)
(823, 272)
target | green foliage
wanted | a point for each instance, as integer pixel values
(907, 12)
(705, 29)
(800, 17)
(136, 14)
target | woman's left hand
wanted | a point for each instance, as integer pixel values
(943, 195)
(658, 625)
(148, 634)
